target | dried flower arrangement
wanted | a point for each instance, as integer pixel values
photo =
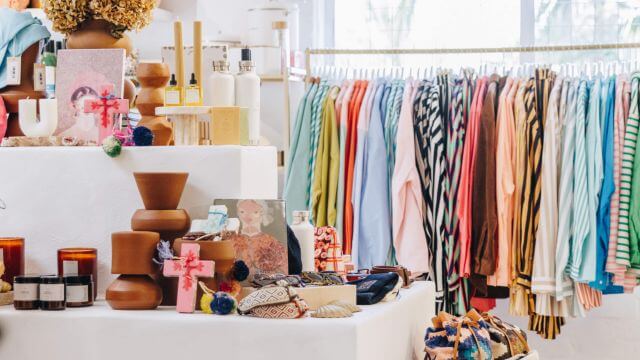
(68, 15)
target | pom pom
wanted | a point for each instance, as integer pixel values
(205, 303)
(163, 252)
(111, 146)
(223, 303)
(225, 286)
(240, 270)
(142, 136)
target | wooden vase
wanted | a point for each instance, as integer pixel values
(134, 292)
(161, 191)
(13, 93)
(153, 78)
(170, 224)
(222, 252)
(132, 252)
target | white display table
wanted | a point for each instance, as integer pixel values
(385, 331)
(59, 197)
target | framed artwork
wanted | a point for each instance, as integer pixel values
(262, 240)
(80, 74)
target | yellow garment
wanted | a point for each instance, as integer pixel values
(324, 191)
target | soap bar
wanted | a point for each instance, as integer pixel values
(229, 126)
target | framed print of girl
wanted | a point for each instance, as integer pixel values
(259, 249)
(85, 125)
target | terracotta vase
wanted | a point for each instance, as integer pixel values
(134, 292)
(132, 252)
(160, 191)
(94, 34)
(222, 252)
(170, 224)
(11, 94)
(153, 78)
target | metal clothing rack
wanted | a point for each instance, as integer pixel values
(522, 49)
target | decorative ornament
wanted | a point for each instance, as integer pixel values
(240, 271)
(106, 105)
(205, 302)
(142, 136)
(112, 146)
(187, 268)
(163, 253)
(220, 302)
(331, 311)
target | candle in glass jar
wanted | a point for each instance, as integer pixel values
(79, 261)
(12, 254)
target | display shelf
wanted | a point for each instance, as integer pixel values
(384, 331)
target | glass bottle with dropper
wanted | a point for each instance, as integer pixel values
(173, 93)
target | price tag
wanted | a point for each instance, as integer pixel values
(39, 77)
(13, 70)
(70, 267)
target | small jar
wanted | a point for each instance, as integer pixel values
(25, 292)
(52, 295)
(79, 290)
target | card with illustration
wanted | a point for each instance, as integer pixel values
(80, 74)
(262, 239)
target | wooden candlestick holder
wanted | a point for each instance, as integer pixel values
(153, 78)
(13, 93)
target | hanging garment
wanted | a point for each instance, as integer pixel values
(466, 178)
(364, 118)
(316, 124)
(628, 156)
(505, 182)
(634, 207)
(374, 234)
(325, 184)
(350, 156)
(342, 113)
(296, 191)
(602, 279)
(431, 159)
(408, 233)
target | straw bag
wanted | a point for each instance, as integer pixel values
(507, 340)
(458, 338)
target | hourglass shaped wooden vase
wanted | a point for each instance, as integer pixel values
(153, 78)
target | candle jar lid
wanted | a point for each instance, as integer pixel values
(51, 279)
(78, 279)
(26, 279)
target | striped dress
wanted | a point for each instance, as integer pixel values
(429, 129)
(628, 157)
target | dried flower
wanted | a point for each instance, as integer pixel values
(67, 15)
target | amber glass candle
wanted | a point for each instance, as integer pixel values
(12, 254)
(79, 261)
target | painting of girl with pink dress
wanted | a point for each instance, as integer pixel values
(262, 239)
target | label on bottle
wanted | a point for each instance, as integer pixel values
(70, 267)
(52, 292)
(50, 78)
(39, 77)
(1, 255)
(172, 97)
(192, 96)
(77, 293)
(14, 67)
(25, 292)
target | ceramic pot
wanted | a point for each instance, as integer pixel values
(134, 292)
(170, 224)
(160, 191)
(129, 92)
(222, 252)
(132, 252)
(94, 34)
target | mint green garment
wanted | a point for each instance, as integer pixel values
(297, 181)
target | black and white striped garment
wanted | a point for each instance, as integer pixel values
(431, 159)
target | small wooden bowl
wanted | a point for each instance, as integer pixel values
(161, 191)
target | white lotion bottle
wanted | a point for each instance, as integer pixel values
(248, 94)
(222, 87)
(304, 231)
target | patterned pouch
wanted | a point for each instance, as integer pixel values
(507, 340)
(457, 338)
(275, 302)
(328, 251)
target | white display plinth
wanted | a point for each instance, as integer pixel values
(385, 331)
(59, 197)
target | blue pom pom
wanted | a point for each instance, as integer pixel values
(223, 303)
(240, 270)
(142, 136)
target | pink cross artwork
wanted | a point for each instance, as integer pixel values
(188, 267)
(106, 105)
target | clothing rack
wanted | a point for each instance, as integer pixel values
(490, 50)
